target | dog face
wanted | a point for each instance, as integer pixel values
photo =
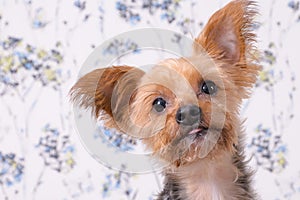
(186, 108)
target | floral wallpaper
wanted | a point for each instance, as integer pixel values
(43, 45)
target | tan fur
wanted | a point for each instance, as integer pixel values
(210, 168)
(215, 182)
(235, 22)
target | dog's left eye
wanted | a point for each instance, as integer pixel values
(209, 87)
(159, 104)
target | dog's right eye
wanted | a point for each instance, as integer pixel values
(159, 104)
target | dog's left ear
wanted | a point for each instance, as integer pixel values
(228, 34)
(228, 38)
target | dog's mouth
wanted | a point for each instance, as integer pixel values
(194, 136)
(198, 133)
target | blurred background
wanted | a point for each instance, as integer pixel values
(42, 47)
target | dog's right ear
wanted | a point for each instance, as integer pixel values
(95, 90)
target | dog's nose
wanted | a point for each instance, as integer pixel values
(188, 115)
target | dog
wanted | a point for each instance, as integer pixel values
(186, 110)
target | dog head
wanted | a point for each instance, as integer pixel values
(186, 108)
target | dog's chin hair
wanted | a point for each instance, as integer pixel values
(186, 149)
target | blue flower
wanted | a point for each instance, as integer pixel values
(11, 169)
(79, 4)
(120, 6)
(294, 5)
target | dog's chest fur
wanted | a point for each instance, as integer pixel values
(208, 179)
(223, 179)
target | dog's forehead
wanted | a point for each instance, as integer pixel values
(162, 76)
(181, 76)
(190, 69)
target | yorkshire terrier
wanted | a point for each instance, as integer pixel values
(186, 110)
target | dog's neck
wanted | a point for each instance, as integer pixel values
(208, 179)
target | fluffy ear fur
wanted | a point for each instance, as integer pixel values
(228, 38)
(227, 34)
(95, 89)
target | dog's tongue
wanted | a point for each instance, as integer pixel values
(195, 131)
